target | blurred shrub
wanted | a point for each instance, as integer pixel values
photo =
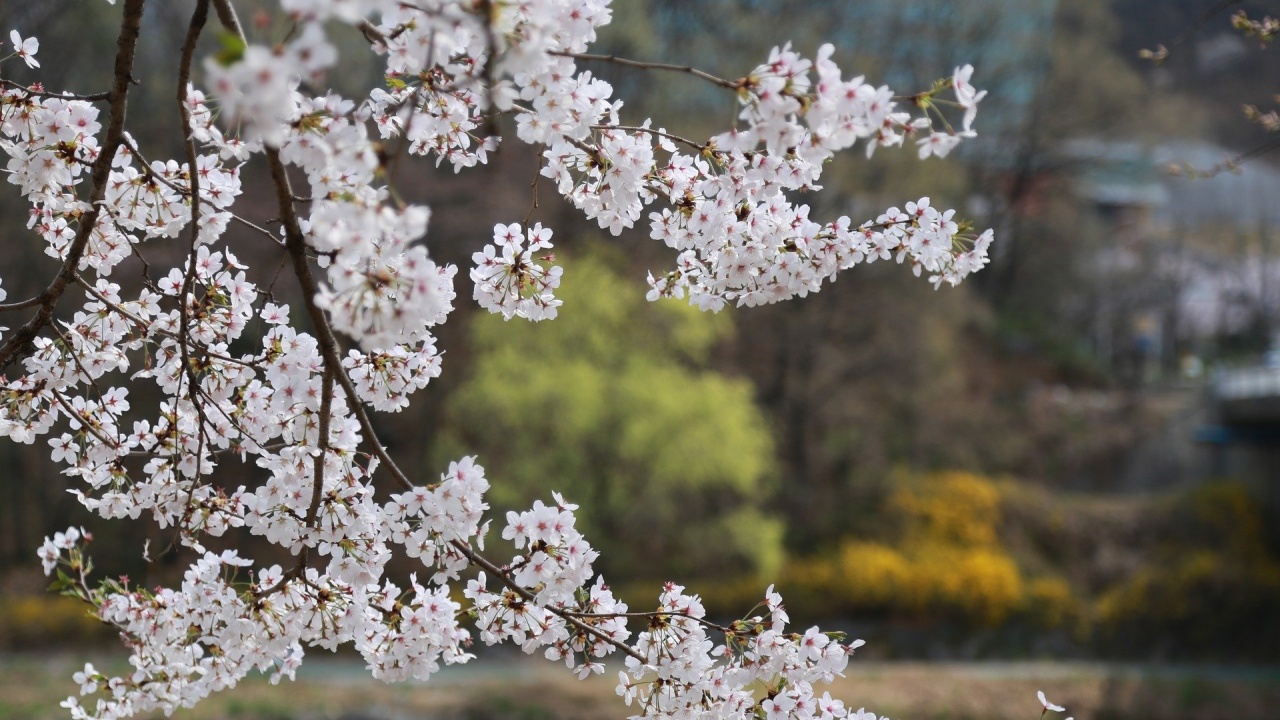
(951, 508)
(1191, 574)
(1050, 602)
(946, 561)
(982, 584)
(1213, 583)
(38, 622)
(871, 575)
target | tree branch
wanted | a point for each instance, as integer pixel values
(126, 49)
(33, 92)
(227, 16)
(568, 616)
(688, 69)
(198, 18)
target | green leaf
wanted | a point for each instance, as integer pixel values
(232, 48)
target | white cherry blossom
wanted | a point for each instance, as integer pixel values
(142, 391)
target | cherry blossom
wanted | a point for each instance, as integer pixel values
(143, 390)
(1044, 702)
(25, 49)
(511, 279)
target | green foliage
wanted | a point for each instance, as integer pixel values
(232, 48)
(610, 404)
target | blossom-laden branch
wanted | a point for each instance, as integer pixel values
(126, 48)
(300, 405)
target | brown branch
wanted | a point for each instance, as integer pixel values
(126, 49)
(257, 228)
(75, 357)
(296, 244)
(145, 166)
(23, 304)
(374, 36)
(317, 482)
(371, 33)
(1231, 164)
(85, 422)
(198, 18)
(317, 485)
(700, 147)
(146, 327)
(227, 17)
(297, 247)
(33, 92)
(533, 185)
(1161, 52)
(568, 616)
(715, 80)
(656, 614)
(1201, 21)
(224, 451)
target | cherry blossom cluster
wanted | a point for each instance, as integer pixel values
(154, 356)
(437, 93)
(385, 379)
(740, 238)
(429, 522)
(50, 142)
(512, 279)
(559, 559)
(53, 548)
(677, 669)
(545, 602)
(215, 629)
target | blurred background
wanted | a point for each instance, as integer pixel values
(1073, 459)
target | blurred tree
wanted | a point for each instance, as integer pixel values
(612, 405)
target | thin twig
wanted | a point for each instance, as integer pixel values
(1201, 21)
(147, 327)
(533, 185)
(259, 229)
(730, 84)
(32, 92)
(655, 614)
(145, 165)
(1230, 164)
(198, 18)
(700, 147)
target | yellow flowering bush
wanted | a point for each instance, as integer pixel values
(947, 560)
(951, 508)
(31, 621)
